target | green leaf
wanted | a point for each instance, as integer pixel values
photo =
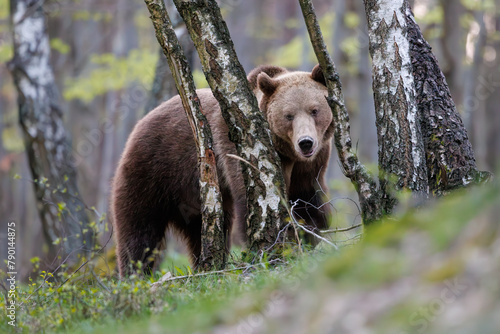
(58, 45)
(181, 273)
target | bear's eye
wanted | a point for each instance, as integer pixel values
(289, 117)
(314, 112)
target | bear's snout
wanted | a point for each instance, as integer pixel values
(306, 145)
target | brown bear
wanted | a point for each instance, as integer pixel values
(156, 185)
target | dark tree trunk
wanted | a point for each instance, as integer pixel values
(213, 237)
(266, 212)
(449, 156)
(61, 209)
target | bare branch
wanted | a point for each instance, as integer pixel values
(339, 229)
(296, 223)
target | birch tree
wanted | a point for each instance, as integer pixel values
(163, 86)
(213, 238)
(400, 144)
(266, 212)
(62, 211)
(421, 137)
(448, 156)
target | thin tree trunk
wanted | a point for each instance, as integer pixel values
(452, 44)
(213, 238)
(368, 130)
(266, 212)
(400, 145)
(61, 209)
(449, 156)
(475, 94)
(492, 103)
(163, 86)
(365, 185)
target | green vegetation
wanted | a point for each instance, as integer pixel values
(112, 73)
(408, 273)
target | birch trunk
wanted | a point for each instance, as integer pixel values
(163, 86)
(60, 207)
(213, 238)
(266, 212)
(400, 144)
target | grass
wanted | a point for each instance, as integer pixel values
(405, 262)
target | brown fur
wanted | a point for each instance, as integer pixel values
(157, 181)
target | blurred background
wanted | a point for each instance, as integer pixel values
(105, 55)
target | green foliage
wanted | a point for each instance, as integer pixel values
(6, 52)
(351, 20)
(423, 246)
(112, 73)
(435, 15)
(12, 140)
(479, 5)
(289, 55)
(59, 45)
(85, 15)
(199, 79)
(4, 10)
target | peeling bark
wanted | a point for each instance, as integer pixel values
(61, 209)
(266, 212)
(213, 238)
(400, 144)
(365, 185)
(449, 156)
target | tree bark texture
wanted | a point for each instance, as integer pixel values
(449, 157)
(213, 238)
(60, 207)
(365, 185)
(266, 211)
(400, 145)
(163, 86)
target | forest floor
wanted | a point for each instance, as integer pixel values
(429, 270)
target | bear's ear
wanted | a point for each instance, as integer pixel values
(317, 75)
(271, 71)
(267, 84)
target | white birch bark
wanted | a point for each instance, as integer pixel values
(248, 129)
(213, 236)
(61, 210)
(401, 148)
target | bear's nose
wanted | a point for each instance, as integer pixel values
(306, 144)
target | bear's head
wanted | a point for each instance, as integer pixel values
(296, 109)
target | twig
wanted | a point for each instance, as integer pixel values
(83, 264)
(243, 160)
(311, 232)
(215, 272)
(345, 229)
(51, 275)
